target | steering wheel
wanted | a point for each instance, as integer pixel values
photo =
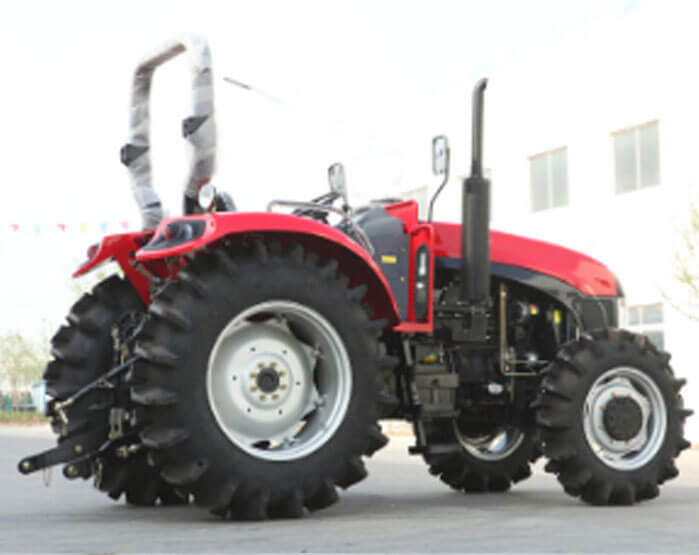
(321, 215)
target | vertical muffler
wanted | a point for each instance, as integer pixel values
(475, 232)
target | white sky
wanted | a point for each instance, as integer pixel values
(367, 83)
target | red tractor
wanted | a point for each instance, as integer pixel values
(244, 360)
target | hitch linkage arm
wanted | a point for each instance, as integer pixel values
(71, 448)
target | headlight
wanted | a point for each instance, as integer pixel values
(422, 283)
(621, 312)
(92, 251)
(177, 233)
(206, 197)
(621, 315)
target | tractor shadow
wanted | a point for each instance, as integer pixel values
(544, 502)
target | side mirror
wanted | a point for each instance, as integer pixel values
(440, 155)
(336, 179)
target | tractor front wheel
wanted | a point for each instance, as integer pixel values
(611, 418)
(486, 461)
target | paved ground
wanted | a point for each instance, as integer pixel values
(400, 507)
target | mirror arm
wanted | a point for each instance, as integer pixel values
(439, 189)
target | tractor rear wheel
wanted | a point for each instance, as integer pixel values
(82, 351)
(261, 382)
(484, 462)
(611, 418)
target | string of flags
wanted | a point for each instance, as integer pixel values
(75, 227)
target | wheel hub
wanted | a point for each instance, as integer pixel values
(499, 444)
(279, 380)
(622, 418)
(268, 380)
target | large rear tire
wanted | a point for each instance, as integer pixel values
(261, 382)
(611, 418)
(82, 351)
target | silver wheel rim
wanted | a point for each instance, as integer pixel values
(495, 446)
(625, 382)
(295, 413)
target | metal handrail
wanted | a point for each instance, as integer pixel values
(361, 236)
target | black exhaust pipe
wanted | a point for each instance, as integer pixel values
(475, 232)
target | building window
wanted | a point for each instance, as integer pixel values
(637, 157)
(549, 179)
(648, 320)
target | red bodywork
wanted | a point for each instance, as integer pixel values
(586, 274)
(444, 240)
(121, 249)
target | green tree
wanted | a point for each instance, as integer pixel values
(21, 361)
(687, 269)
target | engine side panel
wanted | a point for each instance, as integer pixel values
(591, 311)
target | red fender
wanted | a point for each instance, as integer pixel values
(121, 249)
(353, 261)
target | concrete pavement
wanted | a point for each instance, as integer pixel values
(400, 507)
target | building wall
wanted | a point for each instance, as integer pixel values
(576, 98)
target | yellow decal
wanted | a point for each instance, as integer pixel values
(556, 316)
(388, 259)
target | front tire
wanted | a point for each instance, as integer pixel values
(485, 462)
(611, 418)
(238, 346)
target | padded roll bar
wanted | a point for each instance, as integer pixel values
(199, 129)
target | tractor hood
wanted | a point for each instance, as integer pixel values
(586, 274)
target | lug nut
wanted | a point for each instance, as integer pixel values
(260, 365)
(72, 471)
(275, 396)
(282, 386)
(253, 375)
(78, 449)
(273, 364)
(253, 388)
(282, 373)
(263, 397)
